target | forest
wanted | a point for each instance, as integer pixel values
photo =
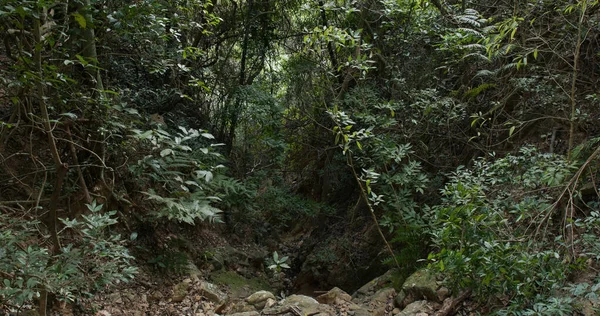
(299, 157)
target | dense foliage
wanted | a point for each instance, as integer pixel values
(466, 134)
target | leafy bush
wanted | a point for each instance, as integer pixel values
(498, 233)
(182, 166)
(89, 263)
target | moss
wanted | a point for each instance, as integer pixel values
(235, 281)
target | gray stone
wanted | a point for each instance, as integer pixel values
(415, 308)
(241, 307)
(307, 306)
(270, 302)
(443, 293)
(300, 301)
(375, 285)
(360, 312)
(212, 292)
(382, 296)
(246, 314)
(259, 299)
(421, 285)
(334, 295)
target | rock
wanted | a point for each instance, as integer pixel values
(180, 291)
(399, 300)
(246, 314)
(270, 302)
(395, 311)
(259, 299)
(415, 308)
(360, 312)
(374, 285)
(212, 292)
(300, 301)
(242, 307)
(334, 295)
(356, 310)
(193, 271)
(382, 296)
(376, 312)
(306, 305)
(443, 293)
(421, 285)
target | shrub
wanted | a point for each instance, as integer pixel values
(97, 259)
(497, 231)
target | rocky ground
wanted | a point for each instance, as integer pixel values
(235, 281)
(420, 295)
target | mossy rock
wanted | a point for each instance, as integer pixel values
(239, 285)
(421, 284)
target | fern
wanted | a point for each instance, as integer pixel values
(471, 17)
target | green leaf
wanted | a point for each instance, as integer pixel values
(82, 60)
(166, 152)
(80, 19)
(512, 34)
(70, 115)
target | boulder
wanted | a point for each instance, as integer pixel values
(382, 296)
(334, 296)
(399, 300)
(421, 285)
(211, 292)
(259, 299)
(301, 301)
(417, 308)
(306, 305)
(375, 285)
(379, 303)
